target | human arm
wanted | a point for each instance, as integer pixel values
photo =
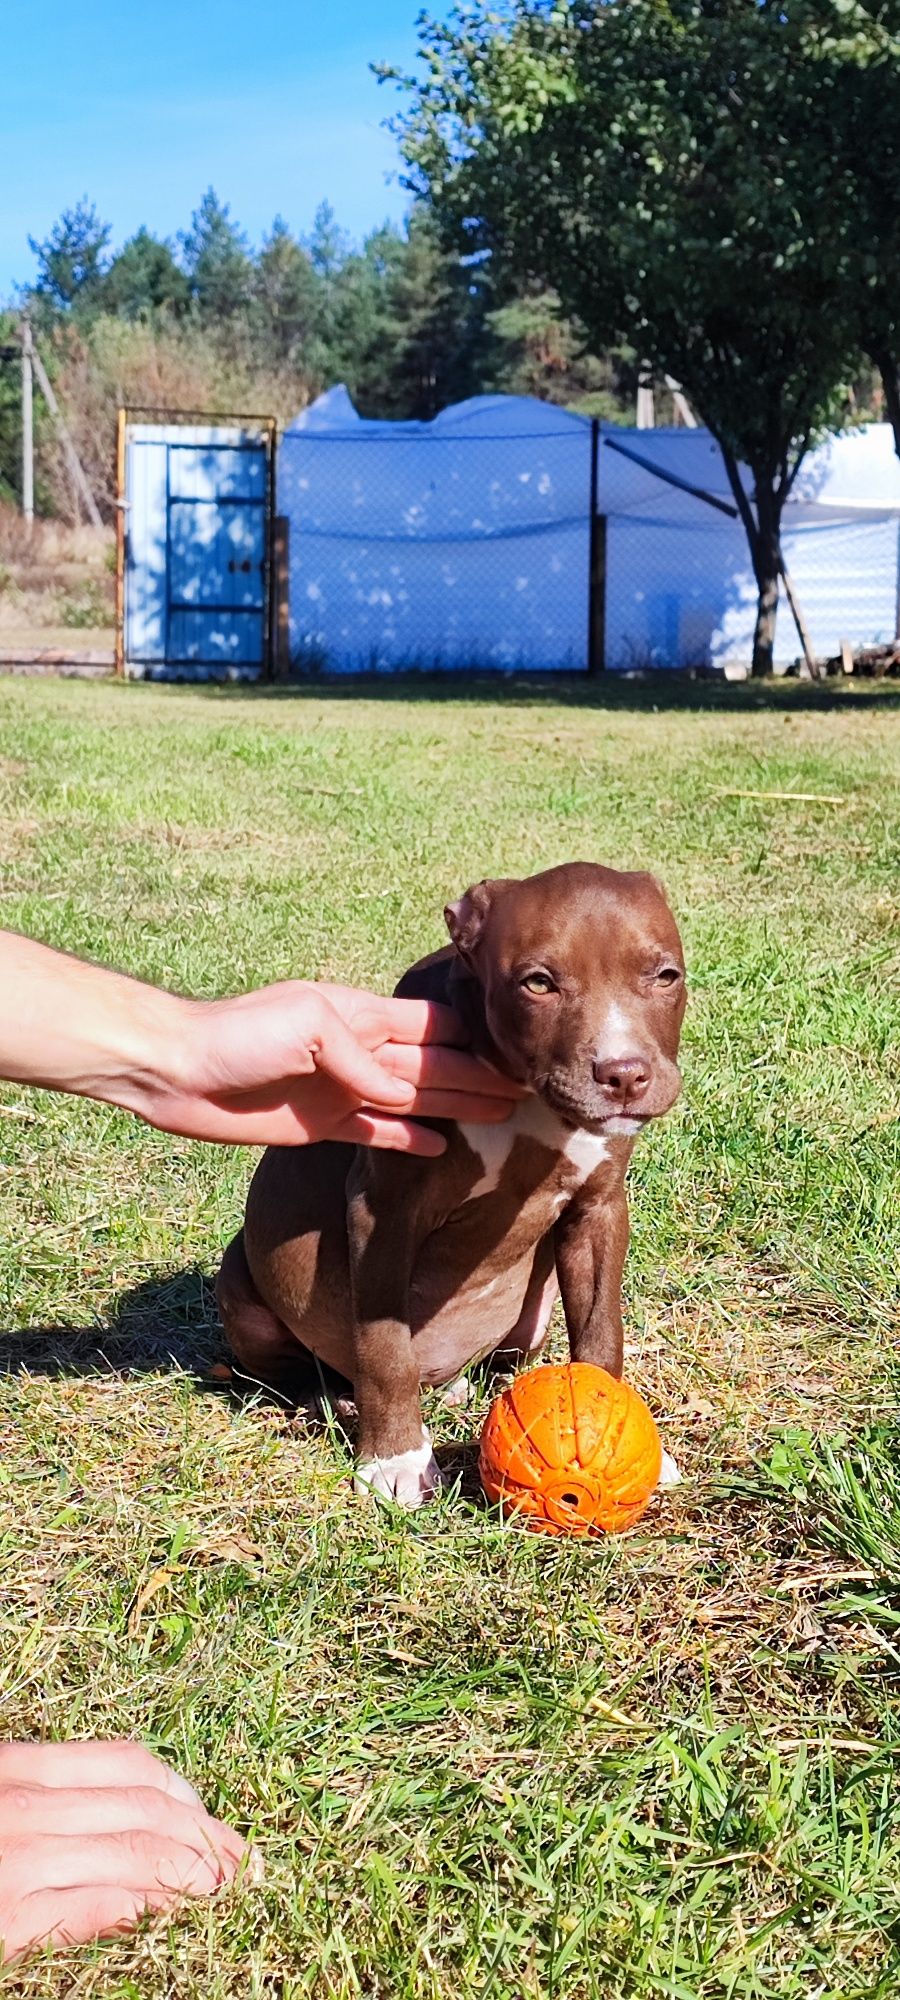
(284, 1065)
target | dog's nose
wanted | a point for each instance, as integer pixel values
(624, 1079)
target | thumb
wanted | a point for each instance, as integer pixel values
(336, 1050)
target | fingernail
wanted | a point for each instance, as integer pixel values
(180, 1789)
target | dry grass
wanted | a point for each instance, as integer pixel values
(54, 576)
(477, 1762)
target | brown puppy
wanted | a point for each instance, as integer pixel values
(397, 1271)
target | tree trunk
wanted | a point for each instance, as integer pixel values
(763, 532)
(767, 567)
(765, 550)
(889, 369)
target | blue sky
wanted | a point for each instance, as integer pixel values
(142, 106)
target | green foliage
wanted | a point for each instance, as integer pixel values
(856, 61)
(10, 411)
(665, 168)
(11, 423)
(144, 278)
(216, 258)
(536, 351)
(87, 608)
(72, 259)
(285, 302)
(408, 324)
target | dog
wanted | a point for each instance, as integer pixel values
(396, 1271)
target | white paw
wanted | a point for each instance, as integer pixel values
(410, 1477)
(670, 1475)
(457, 1395)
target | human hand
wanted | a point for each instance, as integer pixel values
(95, 1835)
(298, 1062)
(282, 1066)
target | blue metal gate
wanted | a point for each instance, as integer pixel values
(196, 508)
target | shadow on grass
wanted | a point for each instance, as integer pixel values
(459, 1465)
(164, 1323)
(649, 693)
(170, 1325)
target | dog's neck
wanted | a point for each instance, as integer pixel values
(466, 997)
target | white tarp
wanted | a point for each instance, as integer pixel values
(464, 542)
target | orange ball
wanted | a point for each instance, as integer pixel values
(571, 1448)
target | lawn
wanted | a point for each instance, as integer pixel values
(478, 1764)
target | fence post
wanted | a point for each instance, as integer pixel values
(596, 650)
(281, 571)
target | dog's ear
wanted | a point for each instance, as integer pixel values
(465, 919)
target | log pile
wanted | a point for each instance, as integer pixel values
(871, 662)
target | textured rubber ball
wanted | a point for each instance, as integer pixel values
(572, 1449)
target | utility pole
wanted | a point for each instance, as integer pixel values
(27, 427)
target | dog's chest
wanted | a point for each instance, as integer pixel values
(471, 1279)
(561, 1159)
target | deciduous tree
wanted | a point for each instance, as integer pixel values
(643, 158)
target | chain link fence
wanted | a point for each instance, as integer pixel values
(517, 537)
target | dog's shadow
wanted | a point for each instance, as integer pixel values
(170, 1325)
(459, 1465)
(165, 1324)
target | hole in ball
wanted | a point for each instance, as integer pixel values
(568, 1499)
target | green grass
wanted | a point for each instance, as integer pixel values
(478, 1764)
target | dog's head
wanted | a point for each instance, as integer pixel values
(581, 974)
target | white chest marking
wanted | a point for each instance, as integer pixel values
(583, 1151)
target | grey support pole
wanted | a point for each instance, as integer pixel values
(75, 466)
(27, 426)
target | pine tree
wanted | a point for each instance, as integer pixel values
(216, 259)
(286, 306)
(71, 260)
(144, 277)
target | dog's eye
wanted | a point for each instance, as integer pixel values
(668, 975)
(537, 982)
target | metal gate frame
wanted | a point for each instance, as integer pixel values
(146, 413)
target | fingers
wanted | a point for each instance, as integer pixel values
(75, 1916)
(402, 1135)
(436, 1068)
(30, 1812)
(412, 1021)
(340, 1055)
(396, 1135)
(86, 1764)
(139, 1858)
(93, 1835)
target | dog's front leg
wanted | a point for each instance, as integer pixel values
(394, 1455)
(590, 1241)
